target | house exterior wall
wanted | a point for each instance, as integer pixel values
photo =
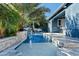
(55, 28)
(50, 26)
(72, 20)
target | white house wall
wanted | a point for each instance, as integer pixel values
(72, 20)
(50, 26)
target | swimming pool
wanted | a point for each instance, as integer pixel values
(35, 45)
(39, 46)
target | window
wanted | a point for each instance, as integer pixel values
(59, 23)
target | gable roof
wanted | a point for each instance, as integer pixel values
(60, 9)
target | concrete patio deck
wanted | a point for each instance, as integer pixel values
(70, 45)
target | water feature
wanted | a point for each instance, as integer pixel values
(30, 42)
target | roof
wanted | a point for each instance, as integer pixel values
(60, 9)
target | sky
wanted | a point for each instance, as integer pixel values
(52, 7)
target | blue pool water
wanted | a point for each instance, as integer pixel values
(37, 38)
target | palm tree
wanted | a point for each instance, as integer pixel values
(9, 18)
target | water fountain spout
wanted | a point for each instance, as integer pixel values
(30, 43)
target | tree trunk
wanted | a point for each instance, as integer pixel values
(2, 31)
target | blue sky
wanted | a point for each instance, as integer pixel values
(52, 7)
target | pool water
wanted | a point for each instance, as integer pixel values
(37, 49)
(37, 38)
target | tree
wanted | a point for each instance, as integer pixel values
(33, 13)
(14, 17)
(37, 15)
(10, 19)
